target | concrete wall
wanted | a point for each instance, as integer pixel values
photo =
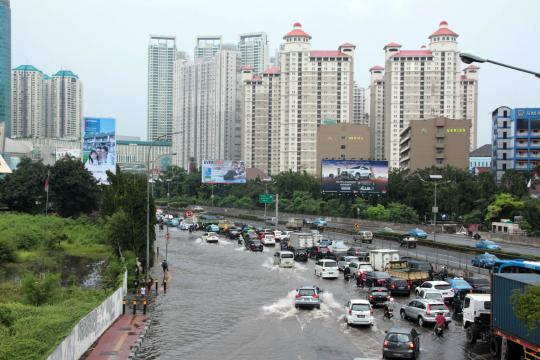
(90, 328)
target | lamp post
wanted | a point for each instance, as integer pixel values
(435, 209)
(266, 181)
(470, 58)
(150, 146)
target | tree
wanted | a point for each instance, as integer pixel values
(73, 189)
(526, 306)
(515, 183)
(531, 214)
(24, 189)
(505, 206)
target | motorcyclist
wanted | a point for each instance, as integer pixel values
(360, 280)
(388, 307)
(440, 322)
(346, 273)
(445, 272)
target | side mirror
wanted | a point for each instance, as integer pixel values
(386, 331)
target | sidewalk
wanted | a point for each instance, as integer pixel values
(118, 340)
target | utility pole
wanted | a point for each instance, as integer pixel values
(277, 206)
(266, 192)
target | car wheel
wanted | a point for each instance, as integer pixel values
(318, 307)
(420, 321)
(403, 315)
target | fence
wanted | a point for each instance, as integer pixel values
(90, 328)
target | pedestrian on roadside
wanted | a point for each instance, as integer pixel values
(165, 266)
(143, 291)
(150, 282)
(135, 286)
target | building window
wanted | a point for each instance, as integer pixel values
(504, 167)
(343, 146)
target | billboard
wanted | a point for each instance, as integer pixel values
(62, 153)
(354, 176)
(99, 147)
(223, 172)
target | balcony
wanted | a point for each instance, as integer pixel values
(521, 145)
(522, 166)
(439, 146)
(439, 135)
(439, 156)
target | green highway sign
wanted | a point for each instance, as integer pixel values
(266, 198)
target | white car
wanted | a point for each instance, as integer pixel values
(277, 235)
(286, 235)
(184, 226)
(344, 261)
(326, 269)
(210, 237)
(430, 294)
(359, 312)
(268, 239)
(441, 286)
(284, 259)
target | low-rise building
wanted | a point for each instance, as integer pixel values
(480, 159)
(437, 142)
(342, 141)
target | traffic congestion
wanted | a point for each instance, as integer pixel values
(411, 299)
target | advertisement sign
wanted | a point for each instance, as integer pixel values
(99, 147)
(223, 172)
(354, 176)
(62, 153)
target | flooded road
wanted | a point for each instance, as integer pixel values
(225, 302)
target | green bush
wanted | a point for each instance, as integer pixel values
(40, 291)
(7, 251)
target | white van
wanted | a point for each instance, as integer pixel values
(326, 268)
(284, 259)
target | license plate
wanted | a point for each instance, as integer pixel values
(361, 316)
(308, 299)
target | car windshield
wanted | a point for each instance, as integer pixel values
(441, 307)
(306, 292)
(349, 259)
(287, 256)
(443, 287)
(398, 338)
(329, 264)
(433, 295)
(380, 274)
(360, 307)
(366, 267)
(460, 283)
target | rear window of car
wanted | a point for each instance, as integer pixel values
(437, 307)
(287, 256)
(380, 274)
(400, 282)
(460, 283)
(442, 287)
(433, 295)
(256, 242)
(398, 338)
(380, 292)
(366, 267)
(360, 307)
(329, 264)
(306, 292)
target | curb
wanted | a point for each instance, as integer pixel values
(137, 347)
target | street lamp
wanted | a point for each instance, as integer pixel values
(471, 58)
(435, 209)
(150, 146)
(266, 181)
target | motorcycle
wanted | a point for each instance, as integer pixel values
(389, 309)
(439, 331)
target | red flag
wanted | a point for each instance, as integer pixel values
(47, 182)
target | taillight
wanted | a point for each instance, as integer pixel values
(350, 311)
(316, 296)
(371, 311)
(298, 296)
(388, 297)
(428, 310)
(446, 306)
(371, 296)
(408, 286)
(385, 343)
(393, 286)
(411, 345)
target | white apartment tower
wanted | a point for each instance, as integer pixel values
(27, 115)
(376, 112)
(469, 100)
(207, 109)
(207, 46)
(65, 105)
(161, 57)
(422, 84)
(359, 105)
(315, 86)
(253, 49)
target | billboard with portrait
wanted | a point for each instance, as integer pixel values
(223, 172)
(354, 176)
(99, 147)
(62, 153)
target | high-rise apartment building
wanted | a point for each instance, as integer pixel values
(46, 109)
(469, 100)
(515, 140)
(314, 86)
(207, 109)
(359, 105)
(161, 57)
(422, 84)
(207, 46)
(376, 112)
(27, 105)
(253, 49)
(5, 70)
(66, 104)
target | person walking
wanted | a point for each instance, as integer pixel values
(143, 291)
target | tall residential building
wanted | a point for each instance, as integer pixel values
(207, 46)
(161, 57)
(27, 118)
(66, 104)
(423, 84)
(314, 86)
(435, 142)
(207, 109)
(376, 112)
(5, 70)
(469, 100)
(360, 115)
(515, 140)
(48, 126)
(254, 51)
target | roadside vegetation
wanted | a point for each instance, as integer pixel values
(461, 196)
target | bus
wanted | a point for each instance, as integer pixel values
(516, 266)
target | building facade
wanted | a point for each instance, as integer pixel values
(315, 86)
(27, 117)
(435, 142)
(343, 142)
(207, 46)
(66, 104)
(376, 113)
(207, 109)
(161, 57)
(132, 155)
(5, 70)
(426, 83)
(515, 140)
(480, 159)
(360, 115)
(253, 49)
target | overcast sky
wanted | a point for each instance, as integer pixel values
(105, 41)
